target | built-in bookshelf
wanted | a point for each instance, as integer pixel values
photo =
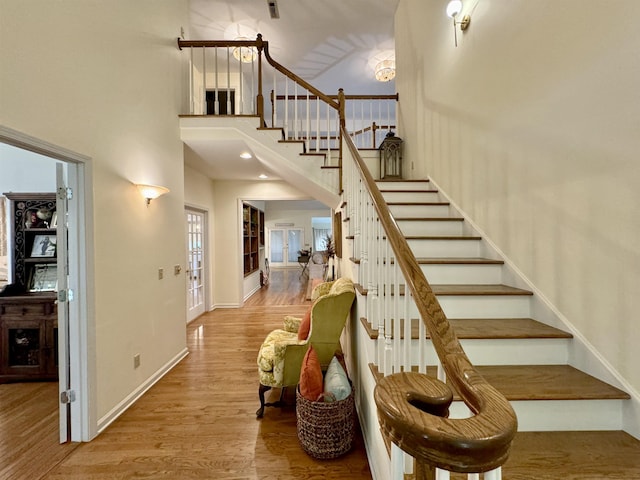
(253, 237)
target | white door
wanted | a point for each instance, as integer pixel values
(284, 244)
(64, 385)
(195, 263)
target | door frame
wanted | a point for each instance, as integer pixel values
(82, 344)
(208, 301)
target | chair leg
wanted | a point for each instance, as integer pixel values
(262, 389)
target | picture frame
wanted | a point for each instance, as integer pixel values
(44, 246)
(44, 278)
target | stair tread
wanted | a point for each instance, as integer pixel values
(419, 203)
(390, 190)
(572, 455)
(486, 328)
(401, 180)
(442, 237)
(540, 382)
(465, 290)
(547, 382)
(429, 219)
(458, 261)
(448, 261)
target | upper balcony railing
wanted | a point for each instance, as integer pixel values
(230, 78)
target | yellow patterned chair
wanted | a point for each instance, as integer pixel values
(281, 353)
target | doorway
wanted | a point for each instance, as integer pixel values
(74, 360)
(284, 245)
(196, 262)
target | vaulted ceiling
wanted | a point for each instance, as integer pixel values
(332, 44)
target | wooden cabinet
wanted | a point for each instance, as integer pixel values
(28, 338)
(28, 315)
(253, 237)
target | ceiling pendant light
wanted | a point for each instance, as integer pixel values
(245, 54)
(385, 70)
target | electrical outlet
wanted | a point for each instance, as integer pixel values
(177, 269)
(160, 273)
(136, 360)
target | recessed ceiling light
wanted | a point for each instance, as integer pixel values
(246, 155)
(262, 176)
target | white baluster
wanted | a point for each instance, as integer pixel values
(228, 83)
(473, 476)
(407, 326)
(240, 81)
(317, 124)
(274, 106)
(423, 361)
(308, 126)
(495, 474)
(328, 157)
(286, 108)
(295, 110)
(397, 463)
(204, 82)
(254, 110)
(216, 102)
(191, 93)
(442, 474)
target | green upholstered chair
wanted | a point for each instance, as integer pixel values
(281, 353)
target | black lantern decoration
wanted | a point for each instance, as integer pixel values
(390, 157)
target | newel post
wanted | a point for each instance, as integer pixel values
(343, 123)
(260, 99)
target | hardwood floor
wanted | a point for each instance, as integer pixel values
(198, 422)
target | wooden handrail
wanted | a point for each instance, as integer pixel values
(412, 408)
(292, 76)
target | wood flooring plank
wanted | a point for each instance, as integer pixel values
(198, 422)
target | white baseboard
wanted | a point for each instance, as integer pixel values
(130, 399)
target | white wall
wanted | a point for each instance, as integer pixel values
(105, 79)
(531, 125)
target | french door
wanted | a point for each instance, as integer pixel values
(195, 220)
(284, 244)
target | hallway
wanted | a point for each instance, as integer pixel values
(198, 422)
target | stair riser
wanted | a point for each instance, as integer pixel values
(404, 185)
(413, 211)
(445, 248)
(520, 351)
(477, 306)
(431, 227)
(411, 196)
(554, 415)
(489, 306)
(463, 274)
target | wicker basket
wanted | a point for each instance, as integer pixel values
(325, 430)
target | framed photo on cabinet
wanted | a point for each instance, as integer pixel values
(44, 246)
(44, 278)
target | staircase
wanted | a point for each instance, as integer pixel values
(569, 422)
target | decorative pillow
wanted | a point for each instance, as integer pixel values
(336, 380)
(311, 376)
(305, 326)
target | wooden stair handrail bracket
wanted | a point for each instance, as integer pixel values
(413, 407)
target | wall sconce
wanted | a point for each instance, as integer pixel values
(453, 9)
(150, 192)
